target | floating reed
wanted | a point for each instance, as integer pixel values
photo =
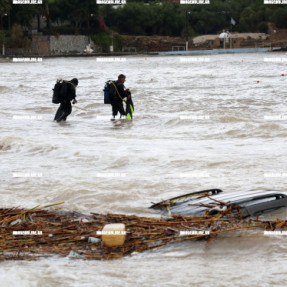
(66, 233)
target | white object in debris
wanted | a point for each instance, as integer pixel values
(114, 234)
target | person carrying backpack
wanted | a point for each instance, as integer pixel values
(67, 93)
(118, 94)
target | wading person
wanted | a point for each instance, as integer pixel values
(68, 94)
(118, 94)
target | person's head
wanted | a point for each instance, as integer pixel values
(121, 78)
(75, 81)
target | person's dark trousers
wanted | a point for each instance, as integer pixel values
(63, 111)
(118, 107)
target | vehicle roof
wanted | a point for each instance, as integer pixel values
(253, 201)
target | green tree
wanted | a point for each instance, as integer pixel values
(17, 37)
(279, 17)
(150, 17)
(5, 7)
(248, 20)
(76, 11)
(23, 14)
(2, 37)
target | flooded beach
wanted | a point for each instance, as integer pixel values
(202, 122)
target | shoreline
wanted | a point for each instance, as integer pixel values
(165, 53)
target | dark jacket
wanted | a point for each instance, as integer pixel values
(71, 91)
(68, 93)
(114, 95)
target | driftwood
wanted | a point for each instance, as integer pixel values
(70, 233)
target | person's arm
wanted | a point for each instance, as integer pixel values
(72, 93)
(128, 93)
(122, 91)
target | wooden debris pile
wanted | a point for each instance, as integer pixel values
(73, 234)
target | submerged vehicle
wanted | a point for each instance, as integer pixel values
(211, 201)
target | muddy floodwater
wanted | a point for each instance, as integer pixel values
(202, 122)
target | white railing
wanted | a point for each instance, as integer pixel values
(178, 48)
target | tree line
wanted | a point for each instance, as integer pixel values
(174, 19)
(142, 17)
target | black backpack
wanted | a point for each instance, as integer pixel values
(59, 92)
(108, 90)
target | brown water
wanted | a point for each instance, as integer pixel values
(197, 125)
